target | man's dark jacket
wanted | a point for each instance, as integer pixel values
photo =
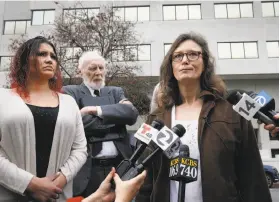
(116, 114)
(231, 166)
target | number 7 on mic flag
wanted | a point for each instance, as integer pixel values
(263, 98)
(247, 107)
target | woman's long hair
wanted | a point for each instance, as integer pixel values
(20, 67)
(169, 94)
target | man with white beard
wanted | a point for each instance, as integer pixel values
(106, 112)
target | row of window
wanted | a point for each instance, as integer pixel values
(43, 17)
(79, 13)
(142, 13)
(226, 50)
(16, 27)
(139, 13)
(121, 53)
(182, 12)
(240, 50)
(193, 11)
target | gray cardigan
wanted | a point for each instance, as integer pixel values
(17, 145)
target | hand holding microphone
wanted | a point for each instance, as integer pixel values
(166, 140)
(125, 191)
(274, 131)
(267, 104)
(260, 106)
(247, 107)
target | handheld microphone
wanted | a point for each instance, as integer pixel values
(247, 107)
(166, 140)
(183, 169)
(144, 134)
(268, 104)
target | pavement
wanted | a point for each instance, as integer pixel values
(275, 192)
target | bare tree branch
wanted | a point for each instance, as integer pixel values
(75, 32)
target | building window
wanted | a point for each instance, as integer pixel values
(140, 13)
(274, 152)
(270, 9)
(132, 53)
(80, 13)
(5, 62)
(272, 49)
(42, 17)
(16, 27)
(181, 12)
(71, 53)
(144, 52)
(166, 47)
(237, 50)
(234, 10)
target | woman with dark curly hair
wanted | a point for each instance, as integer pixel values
(42, 140)
(229, 163)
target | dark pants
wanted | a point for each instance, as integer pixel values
(99, 171)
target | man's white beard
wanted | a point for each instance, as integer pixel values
(94, 85)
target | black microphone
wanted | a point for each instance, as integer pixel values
(247, 106)
(183, 169)
(144, 134)
(167, 140)
(268, 104)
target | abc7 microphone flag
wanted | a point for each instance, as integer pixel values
(183, 168)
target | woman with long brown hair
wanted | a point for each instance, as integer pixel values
(229, 163)
(42, 140)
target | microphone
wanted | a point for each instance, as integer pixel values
(183, 169)
(166, 140)
(144, 134)
(247, 106)
(268, 104)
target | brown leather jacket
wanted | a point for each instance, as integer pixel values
(231, 166)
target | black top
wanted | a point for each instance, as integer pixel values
(45, 120)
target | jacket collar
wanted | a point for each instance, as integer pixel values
(165, 114)
(205, 95)
(85, 89)
(104, 90)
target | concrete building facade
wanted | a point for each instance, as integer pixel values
(243, 37)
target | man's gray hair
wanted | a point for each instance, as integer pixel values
(88, 57)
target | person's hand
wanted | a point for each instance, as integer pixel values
(271, 127)
(89, 110)
(60, 180)
(43, 189)
(104, 192)
(127, 190)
